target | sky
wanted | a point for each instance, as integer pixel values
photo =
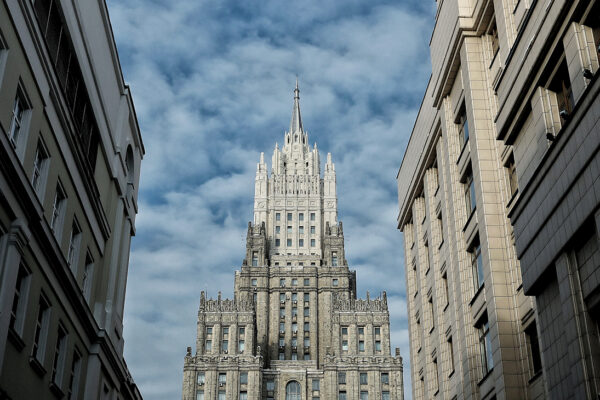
(212, 82)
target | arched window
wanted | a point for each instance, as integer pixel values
(292, 391)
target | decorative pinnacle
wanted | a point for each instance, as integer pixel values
(296, 122)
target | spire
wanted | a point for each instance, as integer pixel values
(296, 122)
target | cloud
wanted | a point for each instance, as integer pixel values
(212, 82)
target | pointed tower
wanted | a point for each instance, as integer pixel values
(295, 329)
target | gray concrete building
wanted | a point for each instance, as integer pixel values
(70, 154)
(499, 198)
(294, 328)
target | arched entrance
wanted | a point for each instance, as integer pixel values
(293, 391)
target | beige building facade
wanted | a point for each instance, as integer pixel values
(294, 329)
(70, 155)
(498, 197)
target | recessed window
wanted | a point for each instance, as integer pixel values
(40, 169)
(60, 354)
(278, 229)
(494, 40)
(289, 242)
(74, 376)
(511, 174)
(463, 125)
(277, 242)
(451, 353)
(58, 211)
(19, 305)
(364, 395)
(385, 378)
(378, 346)
(535, 359)
(363, 378)
(341, 378)
(316, 385)
(222, 378)
(17, 122)
(469, 188)
(277, 217)
(200, 378)
(313, 243)
(306, 281)
(295, 283)
(74, 244)
(255, 258)
(476, 265)
(41, 330)
(312, 216)
(312, 230)
(300, 242)
(282, 282)
(335, 282)
(254, 281)
(301, 229)
(289, 216)
(289, 229)
(485, 346)
(243, 378)
(243, 396)
(301, 217)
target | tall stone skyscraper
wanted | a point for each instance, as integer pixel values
(294, 329)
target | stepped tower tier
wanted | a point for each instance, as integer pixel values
(295, 328)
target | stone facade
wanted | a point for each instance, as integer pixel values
(70, 156)
(498, 195)
(295, 329)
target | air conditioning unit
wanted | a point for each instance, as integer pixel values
(201, 384)
(281, 347)
(221, 384)
(295, 332)
(295, 302)
(294, 318)
(224, 351)
(294, 348)
(281, 332)
(306, 349)
(306, 304)
(282, 301)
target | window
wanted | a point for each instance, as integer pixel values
(436, 381)
(334, 259)
(345, 345)
(255, 258)
(470, 199)
(60, 353)
(313, 242)
(361, 346)
(282, 282)
(295, 283)
(306, 311)
(440, 225)
(335, 282)
(364, 395)
(341, 378)
(40, 162)
(485, 347)
(282, 298)
(58, 210)
(200, 395)
(200, 378)
(385, 395)
(306, 295)
(312, 229)
(74, 243)
(222, 395)
(535, 359)
(277, 242)
(561, 85)
(294, 356)
(294, 327)
(208, 345)
(306, 342)
(312, 216)
(446, 288)
(243, 378)
(281, 327)
(306, 283)
(493, 33)
(301, 229)
(225, 340)
(293, 391)
(363, 378)
(17, 121)
(19, 305)
(278, 229)
(476, 265)
(451, 354)
(289, 216)
(316, 384)
(300, 242)
(306, 356)
(431, 313)
(281, 342)
(342, 395)
(294, 312)
(289, 242)
(385, 378)
(301, 217)
(222, 379)
(378, 346)
(75, 373)
(41, 330)
(377, 331)
(511, 173)
(270, 385)
(241, 339)
(277, 216)
(289, 229)
(88, 277)
(243, 396)
(307, 327)
(254, 282)
(463, 123)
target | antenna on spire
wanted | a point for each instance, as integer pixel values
(297, 89)
(296, 122)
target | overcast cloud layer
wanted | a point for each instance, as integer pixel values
(212, 83)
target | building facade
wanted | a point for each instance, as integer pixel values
(294, 329)
(70, 154)
(498, 197)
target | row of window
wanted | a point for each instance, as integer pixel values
(282, 282)
(364, 395)
(363, 378)
(361, 339)
(289, 242)
(224, 340)
(313, 230)
(59, 382)
(290, 217)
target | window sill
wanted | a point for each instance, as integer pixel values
(469, 219)
(451, 374)
(485, 377)
(16, 339)
(534, 377)
(37, 366)
(56, 391)
(441, 244)
(462, 150)
(477, 294)
(446, 306)
(431, 330)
